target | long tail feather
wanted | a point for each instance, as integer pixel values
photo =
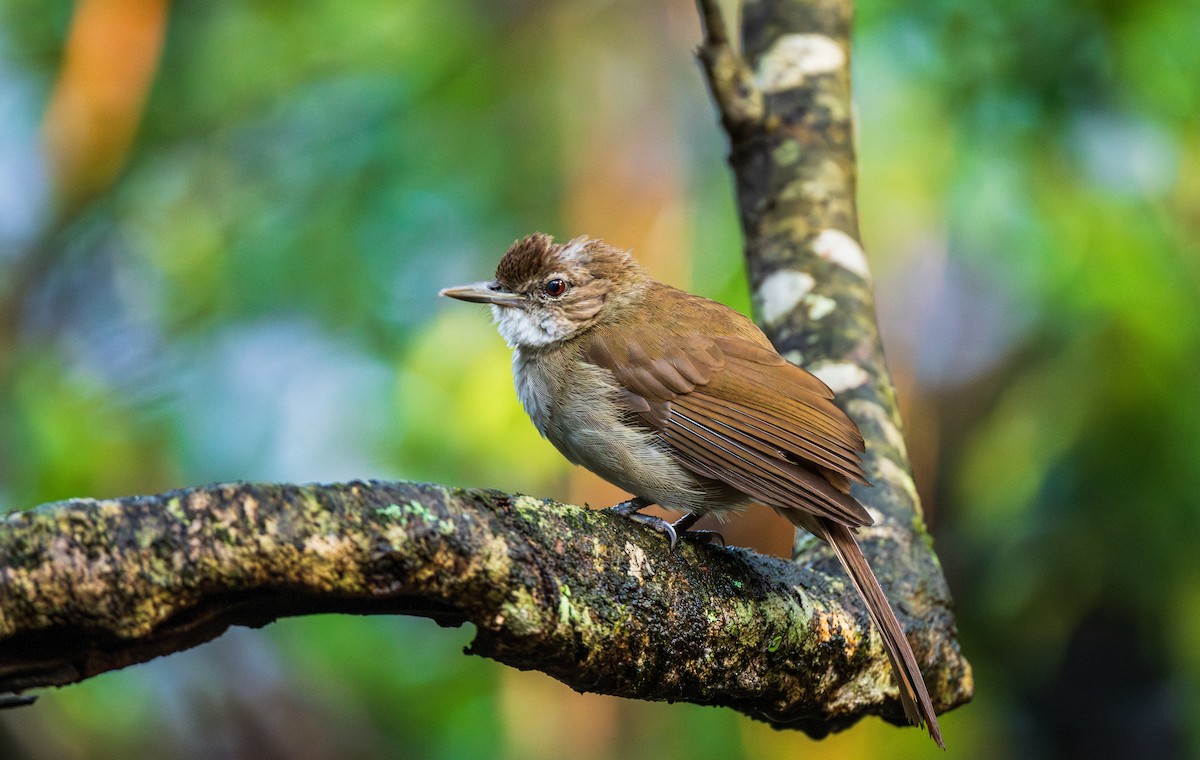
(913, 694)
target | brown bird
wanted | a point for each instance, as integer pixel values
(683, 402)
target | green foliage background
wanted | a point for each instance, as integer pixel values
(254, 298)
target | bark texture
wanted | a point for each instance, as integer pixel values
(89, 586)
(785, 103)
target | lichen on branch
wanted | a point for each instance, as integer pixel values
(90, 586)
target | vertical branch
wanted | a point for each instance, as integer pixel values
(786, 107)
(794, 164)
(739, 101)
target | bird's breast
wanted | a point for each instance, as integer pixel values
(574, 404)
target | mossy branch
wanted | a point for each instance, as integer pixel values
(90, 586)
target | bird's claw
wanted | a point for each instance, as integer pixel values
(683, 526)
(673, 531)
(658, 524)
(629, 509)
(701, 536)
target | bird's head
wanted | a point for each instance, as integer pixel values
(546, 292)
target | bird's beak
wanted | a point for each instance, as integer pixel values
(483, 292)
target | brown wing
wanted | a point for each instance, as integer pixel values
(732, 409)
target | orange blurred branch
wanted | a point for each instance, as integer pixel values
(110, 61)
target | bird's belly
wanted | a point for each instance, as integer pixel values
(632, 459)
(590, 430)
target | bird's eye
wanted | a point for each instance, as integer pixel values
(555, 288)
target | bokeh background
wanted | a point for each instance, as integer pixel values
(223, 225)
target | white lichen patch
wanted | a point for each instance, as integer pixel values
(819, 305)
(839, 248)
(328, 562)
(861, 410)
(496, 557)
(199, 502)
(895, 476)
(325, 545)
(840, 376)
(519, 613)
(523, 502)
(250, 505)
(826, 185)
(265, 538)
(795, 57)
(639, 564)
(781, 292)
(802, 605)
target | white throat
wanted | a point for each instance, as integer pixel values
(519, 327)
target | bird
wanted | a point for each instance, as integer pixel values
(683, 402)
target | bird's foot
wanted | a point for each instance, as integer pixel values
(701, 536)
(682, 529)
(630, 510)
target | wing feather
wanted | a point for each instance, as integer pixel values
(730, 408)
(769, 479)
(788, 445)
